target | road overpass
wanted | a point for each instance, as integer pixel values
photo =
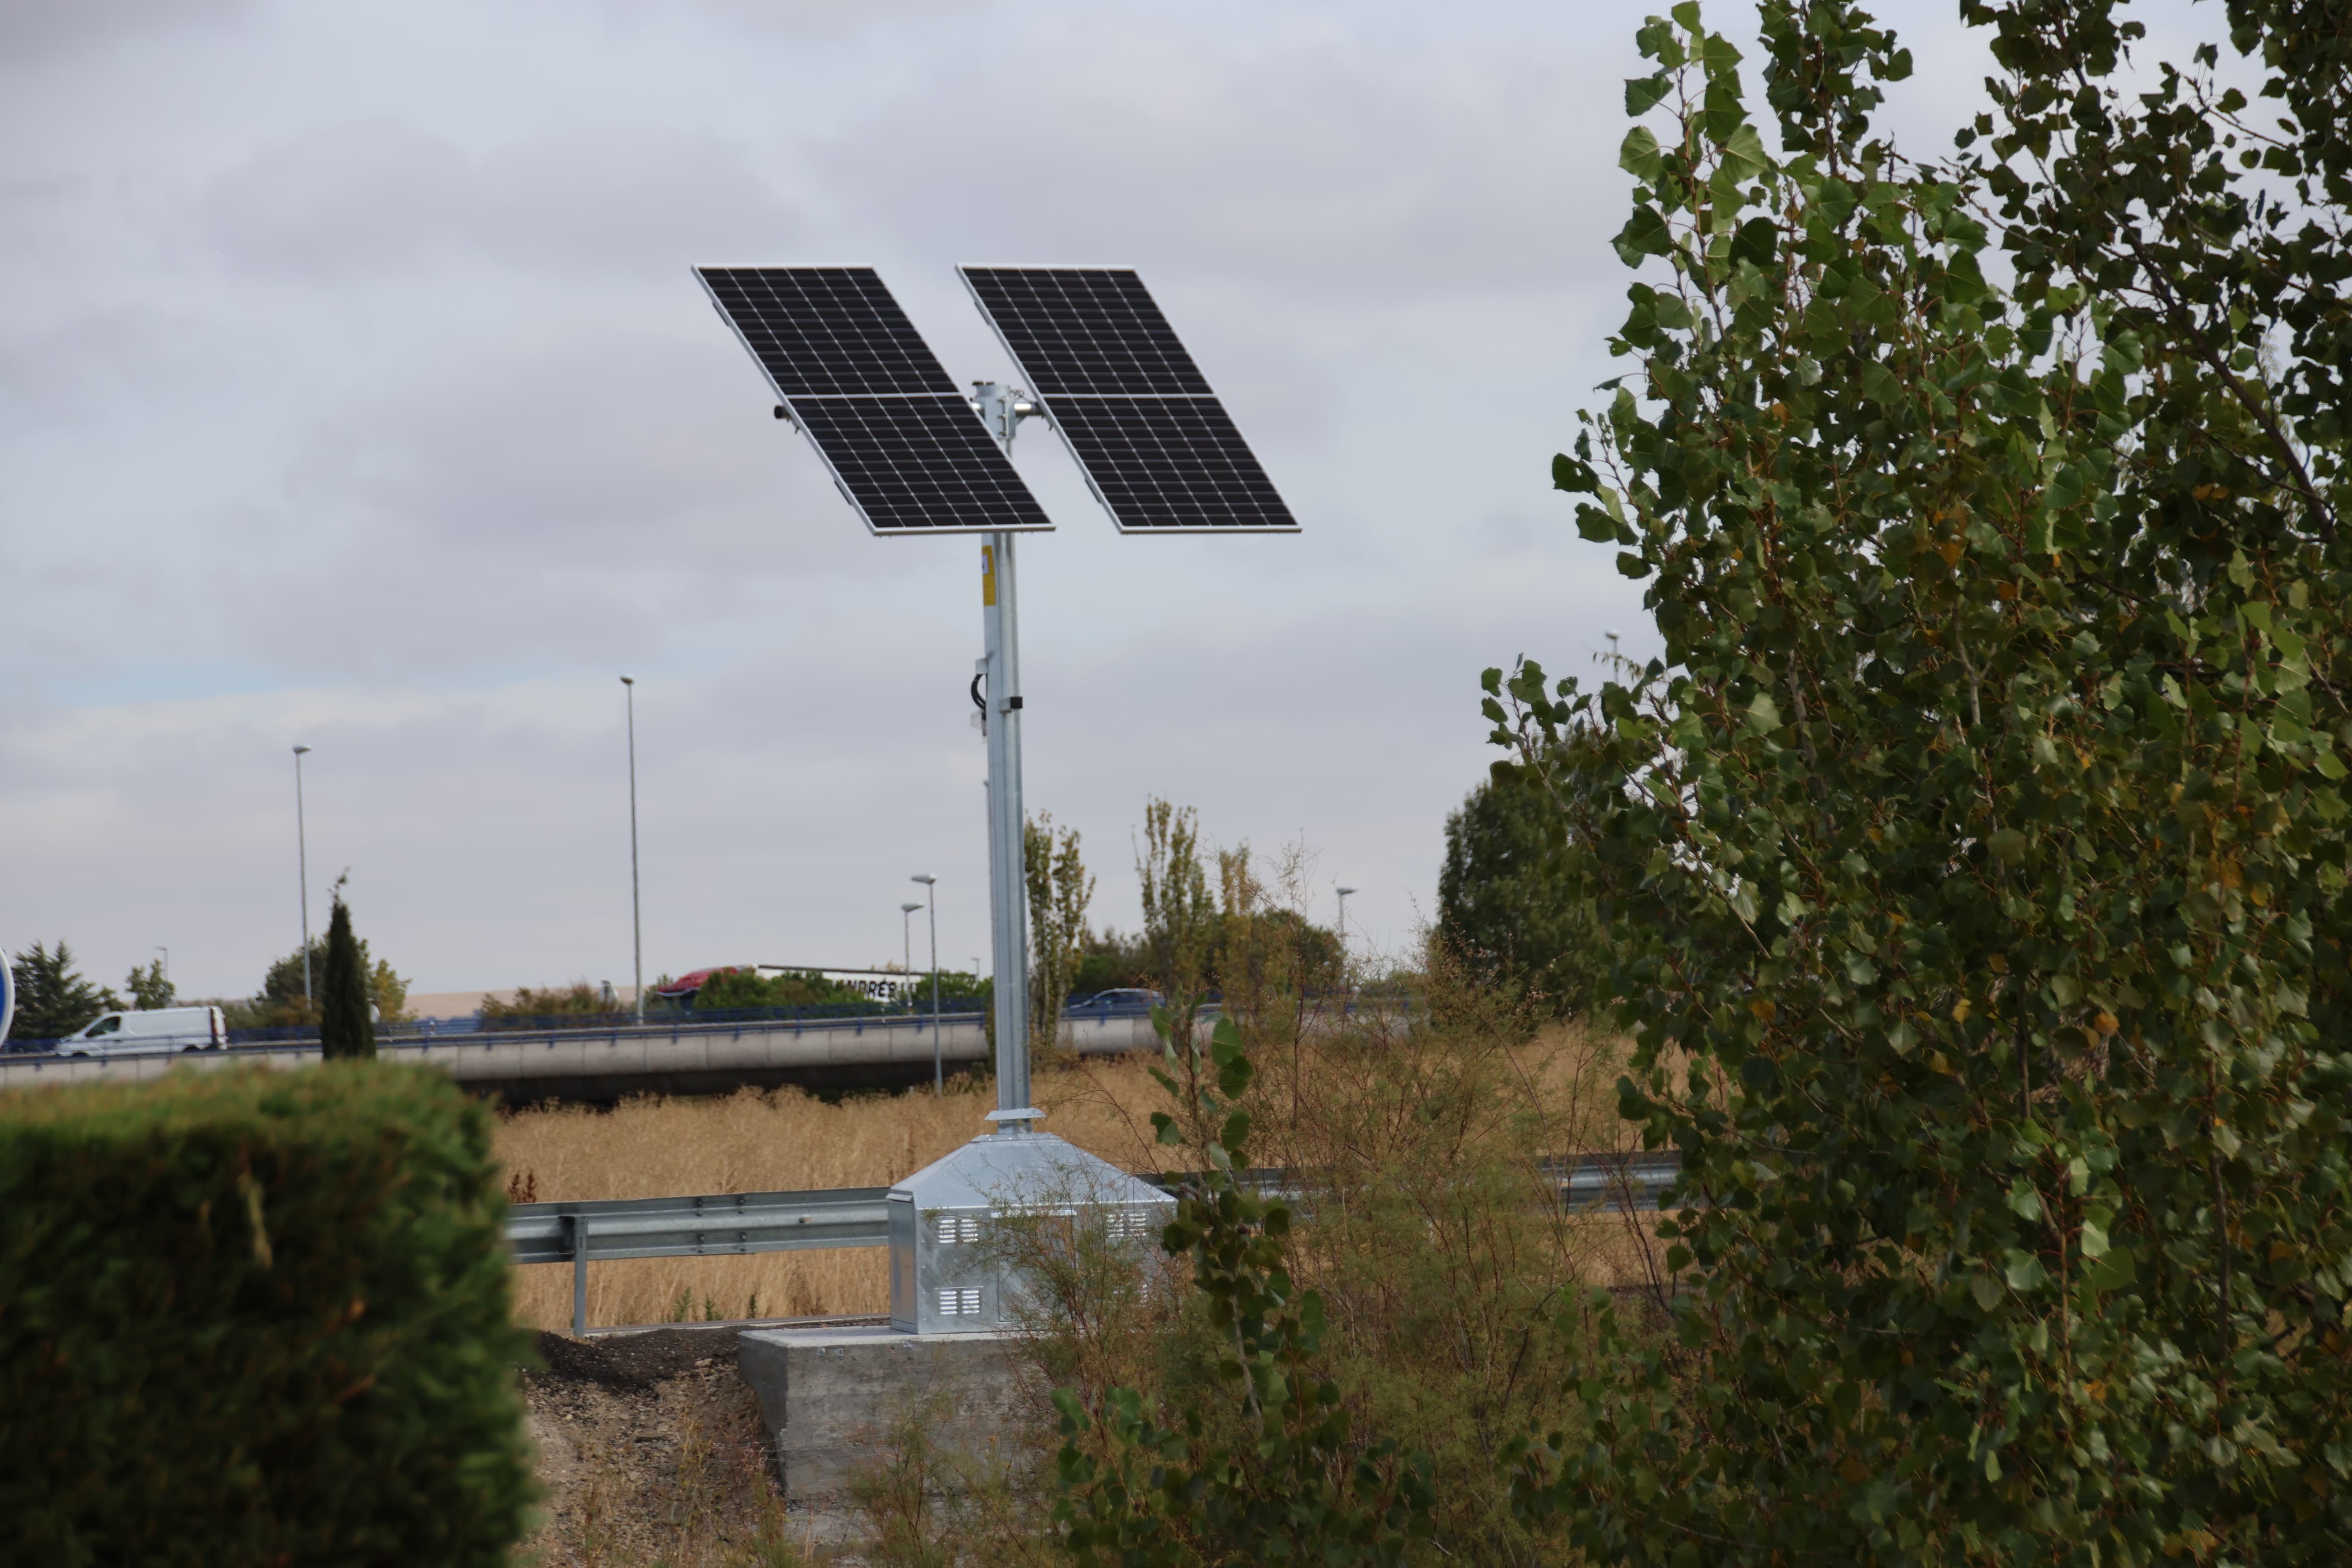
(608, 1063)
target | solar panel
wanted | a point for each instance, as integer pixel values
(902, 442)
(1158, 448)
(1084, 329)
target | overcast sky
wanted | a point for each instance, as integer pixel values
(355, 392)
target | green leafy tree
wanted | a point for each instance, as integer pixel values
(1265, 957)
(346, 1032)
(1060, 888)
(53, 998)
(1975, 855)
(1143, 1487)
(746, 988)
(1179, 919)
(283, 1001)
(280, 1003)
(1108, 960)
(577, 1000)
(387, 990)
(148, 987)
(1506, 906)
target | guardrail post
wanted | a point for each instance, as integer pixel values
(577, 1226)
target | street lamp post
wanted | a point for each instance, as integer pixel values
(302, 854)
(906, 941)
(1343, 935)
(931, 899)
(636, 909)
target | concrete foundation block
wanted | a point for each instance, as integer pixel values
(831, 1396)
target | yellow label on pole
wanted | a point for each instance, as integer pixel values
(987, 576)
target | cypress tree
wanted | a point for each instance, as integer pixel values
(345, 1031)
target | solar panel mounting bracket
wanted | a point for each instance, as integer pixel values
(1002, 408)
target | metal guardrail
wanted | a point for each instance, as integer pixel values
(719, 1226)
(730, 1223)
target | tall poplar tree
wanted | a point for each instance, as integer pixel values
(1060, 888)
(1971, 864)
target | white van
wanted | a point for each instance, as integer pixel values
(158, 1029)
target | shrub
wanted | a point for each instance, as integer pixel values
(247, 1318)
(1420, 1220)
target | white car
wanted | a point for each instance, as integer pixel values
(157, 1029)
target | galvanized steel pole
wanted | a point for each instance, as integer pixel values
(1007, 901)
(938, 1070)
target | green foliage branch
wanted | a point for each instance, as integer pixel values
(1153, 1490)
(1972, 862)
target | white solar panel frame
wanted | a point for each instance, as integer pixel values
(1045, 402)
(790, 403)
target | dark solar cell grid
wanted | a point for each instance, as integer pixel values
(919, 464)
(1084, 329)
(1170, 463)
(822, 332)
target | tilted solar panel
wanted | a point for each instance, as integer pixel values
(902, 444)
(825, 331)
(1159, 449)
(1161, 463)
(1084, 329)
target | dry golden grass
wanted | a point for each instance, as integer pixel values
(782, 1141)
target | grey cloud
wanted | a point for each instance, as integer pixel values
(381, 197)
(92, 365)
(827, 19)
(1297, 164)
(472, 432)
(538, 500)
(33, 28)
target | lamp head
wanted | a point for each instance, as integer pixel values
(908, 908)
(1344, 891)
(926, 881)
(628, 680)
(299, 750)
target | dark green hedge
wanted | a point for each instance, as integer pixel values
(257, 1317)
